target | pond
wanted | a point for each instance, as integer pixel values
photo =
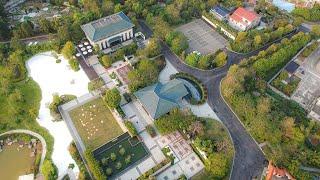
(58, 78)
(15, 163)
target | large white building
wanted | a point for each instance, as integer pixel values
(109, 31)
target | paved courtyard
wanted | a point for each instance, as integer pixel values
(202, 37)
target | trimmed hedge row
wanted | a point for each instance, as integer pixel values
(201, 88)
(94, 166)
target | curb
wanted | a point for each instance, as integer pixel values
(240, 123)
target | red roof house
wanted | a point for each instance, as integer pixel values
(243, 19)
(274, 173)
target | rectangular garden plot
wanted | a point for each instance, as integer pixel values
(119, 154)
(95, 123)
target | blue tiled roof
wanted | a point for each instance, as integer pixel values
(284, 5)
(107, 26)
(159, 98)
(220, 10)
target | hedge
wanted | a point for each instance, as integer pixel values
(132, 130)
(94, 166)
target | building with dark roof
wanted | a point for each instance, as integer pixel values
(109, 31)
(159, 99)
(292, 67)
(220, 13)
(243, 19)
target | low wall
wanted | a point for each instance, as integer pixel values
(225, 32)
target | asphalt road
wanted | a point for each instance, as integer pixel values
(249, 160)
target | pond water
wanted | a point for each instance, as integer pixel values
(58, 78)
(14, 163)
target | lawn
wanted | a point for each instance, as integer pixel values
(132, 151)
(95, 123)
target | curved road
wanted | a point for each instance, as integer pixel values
(249, 160)
(38, 136)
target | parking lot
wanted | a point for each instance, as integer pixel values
(202, 37)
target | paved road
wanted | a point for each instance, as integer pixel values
(38, 136)
(249, 160)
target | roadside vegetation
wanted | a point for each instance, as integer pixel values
(280, 123)
(309, 14)
(206, 62)
(269, 62)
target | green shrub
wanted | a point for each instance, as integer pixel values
(151, 130)
(106, 61)
(74, 64)
(94, 166)
(113, 156)
(118, 165)
(122, 151)
(95, 84)
(108, 171)
(127, 159)
(132, 130)
(104, 161)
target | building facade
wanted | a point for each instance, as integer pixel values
(109, 31)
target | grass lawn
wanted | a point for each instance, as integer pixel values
(134, 150)
(95, 123)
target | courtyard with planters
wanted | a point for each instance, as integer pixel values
(118, 155)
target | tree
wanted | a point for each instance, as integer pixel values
(221, 59)
(68, 50)
(45, 25)
(257, 41)
(127, 159)
(95, 84)
(107, 7)
(192, 59)
(217, 165)
(112, 98)
(145, 74)
(175, 120)
(92, 6)
(106, 61)
(315, 30)
(74, 64)
(49, 171)
(153, 48)
(287, 126)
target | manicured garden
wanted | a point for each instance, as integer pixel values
(286, 84)
(120, 154)
(95, 123)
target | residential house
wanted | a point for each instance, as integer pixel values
(109, 31)
(274, 173)
(243, 19)
(159, 99)
(220, 13)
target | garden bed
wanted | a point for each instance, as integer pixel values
(120, 154)
(285, 83)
